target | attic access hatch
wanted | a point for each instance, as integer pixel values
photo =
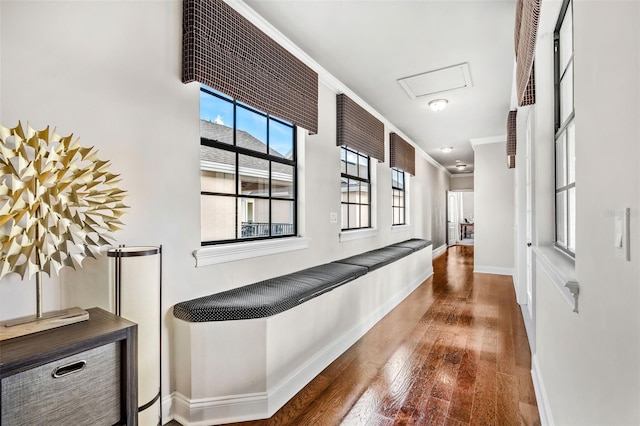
(437, 81)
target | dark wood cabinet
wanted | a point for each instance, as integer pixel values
(80, 374)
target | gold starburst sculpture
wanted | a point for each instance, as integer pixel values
(58, 202)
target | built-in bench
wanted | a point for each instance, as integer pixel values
(414, 244)
(275, 295)
(268, 297)
(242, 354)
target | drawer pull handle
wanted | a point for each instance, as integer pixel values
(65, 370)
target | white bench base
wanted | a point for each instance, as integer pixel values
(231, 371)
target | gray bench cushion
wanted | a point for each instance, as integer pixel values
(415, 244)
(275, 295)
(375, 259)
(268, 297)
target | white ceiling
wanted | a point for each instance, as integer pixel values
(369, 45)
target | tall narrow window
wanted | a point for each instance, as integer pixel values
(355, 189)
(247, 172)
(565, 131)
(398, 198)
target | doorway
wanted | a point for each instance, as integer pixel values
(460, 223)
(452, 218)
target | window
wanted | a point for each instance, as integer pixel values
(398, 199)
(355, 189)
(247, 172)
(565, 131)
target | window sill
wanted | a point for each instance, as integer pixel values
(212, 255)
(356, 234)
(561, 270)
(400, 228)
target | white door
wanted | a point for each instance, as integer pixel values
(452, 218)
(531, 297)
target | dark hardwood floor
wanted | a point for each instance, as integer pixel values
(455, 352)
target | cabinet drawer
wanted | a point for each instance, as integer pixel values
(83, 389)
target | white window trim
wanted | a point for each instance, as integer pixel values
(356, 234)
(561, 270)
(401, 228)
(215, 254)
(407, 207)
(564, 125)
(372, 195)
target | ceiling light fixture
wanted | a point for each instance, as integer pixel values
(446, 149)
(438, 104)
(461, 166)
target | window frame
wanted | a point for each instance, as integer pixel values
(402, 195)
(562, 185)
(242, 151)
(367, 180)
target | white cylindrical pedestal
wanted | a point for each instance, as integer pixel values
(137, 275)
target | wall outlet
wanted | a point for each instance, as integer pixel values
(333, 217)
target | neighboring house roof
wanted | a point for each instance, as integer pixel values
(222, 133)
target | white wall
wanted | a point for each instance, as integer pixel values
(494, 210)
(587, 363)
(458, 182)
(110, 73)
(467, 206)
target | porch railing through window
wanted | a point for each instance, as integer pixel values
(261, 229)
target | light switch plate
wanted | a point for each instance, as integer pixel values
(333, 217)
(621, 233)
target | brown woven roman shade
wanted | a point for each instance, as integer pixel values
(511, 138)
(511, 132)
(403, 155)
(223, 50)
(525, 32)
(358, 129)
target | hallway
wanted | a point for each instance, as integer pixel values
(454, 352)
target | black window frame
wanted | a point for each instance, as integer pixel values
(238, 150)
(561, 129)
(361, 180)
(400, 191)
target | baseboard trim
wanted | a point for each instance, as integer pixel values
(521, 294)
(236, 408)
(437, 252)
(496, 270)
(529, 327)
(167, 408)
(546, 419)
(227, 409)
